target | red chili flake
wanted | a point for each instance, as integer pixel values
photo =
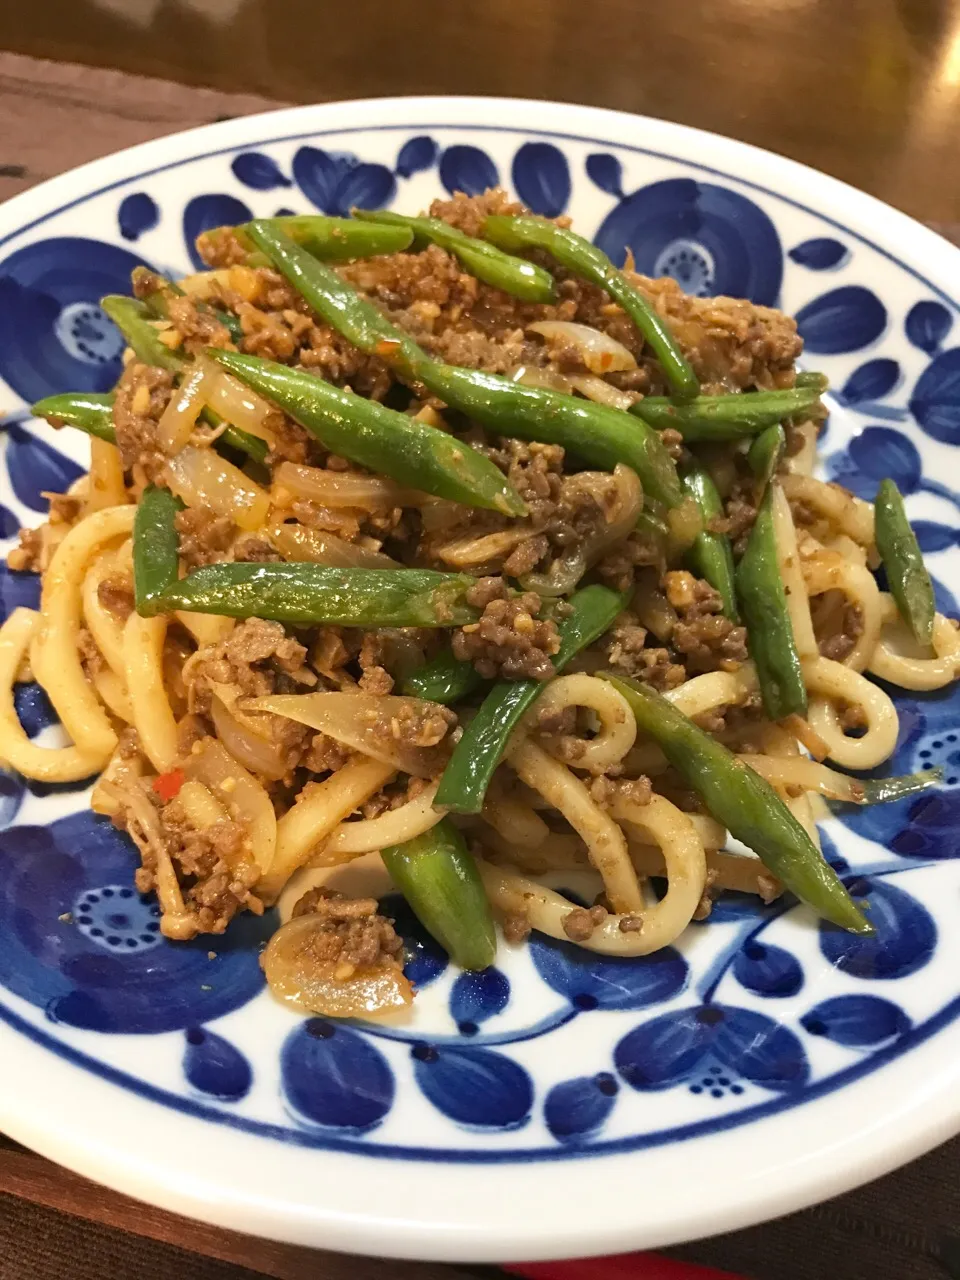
(168, 785)
(387, 347)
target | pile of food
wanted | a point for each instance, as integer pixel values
(445, 539)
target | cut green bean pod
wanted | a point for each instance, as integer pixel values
(311, 593)
(437, 875)
(502, 270)
(327, 238)
(389, 443)
(444, 679)
(764, 455)
(910, 583)
(744, 803)
(477, 754)
(81, 409)
(156, 559)
(770, 637)
(884, 790)
(810, 378)
(726, 417)
(710, 557)
(590, 263)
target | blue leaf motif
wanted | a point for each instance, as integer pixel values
(334, 1077)
(335, 182)
(872, 381)
(856, 1021)
(879, 452)
(258, 171)
(317, 173)
(34, 468)
(663, 1052)
(935, 537)
(367, 186)
(820, 254)
(11, 797)
(590, 981)
(474, 1087)
(475, 997)
(936, 398)
(761, 1050)
(17, 590)
(605, 172)
(424, 958)
(416, 156)
(203, 213)
(927, 324)
(845, 319)
(213, 1065)
(467, 169)
(769, 971)
(34, 709)
(138, 213)
(541, 178)
(903, 942)
(576, 1109)
(9, 524)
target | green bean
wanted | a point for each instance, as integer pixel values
(769, 630)
(312, 593)
(907, 575)
(598, 435)
(727, 417)
(444, 679)
(133, 320)
(156, 558)
(390, 443)
(477, 754)
(437, 875)
(710, 556)
(810, 378)
(764, 454)
(744, 803)
(82, 409)
(502, 270)
(330, 239)
(883, 790)
(156, 291)
(590, 263)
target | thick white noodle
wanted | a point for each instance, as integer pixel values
(900, 660)
(831, 683)
(617, 727)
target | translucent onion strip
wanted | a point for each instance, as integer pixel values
(237, 403)
(297, 542)
(341, 488)
(598, 351)
(370, 835)
(203, 479)
(243, 797)
(184, 408)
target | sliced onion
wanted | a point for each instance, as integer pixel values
(531, 375)
(470, 551)
(184, 407)
(254, 751)
(366, 722)
(200, 805)
(654, 611)
(599, 352)
(343, 488)
(297, 542)
(201, 283)
(240, 793)
(238, 404)
(298, 975)
(353, 838)
(601, 392)
(203, 479)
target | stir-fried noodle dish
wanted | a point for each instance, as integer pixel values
(444, 539)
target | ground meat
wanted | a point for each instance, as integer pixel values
(509, 640)
(516, 928)
(115, 593)
(90, 655)
(205, 538)
(853, 717)
(580, 923)
(707, 640)
(28, 557)
(625, 645)
(630, 924)
(606, 791)
(195, 321)
(740, 514)
(325, 755)
(142, 395)
(710, 891)
(354, 934)
(841, 643)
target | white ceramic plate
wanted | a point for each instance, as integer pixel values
(559, 1105)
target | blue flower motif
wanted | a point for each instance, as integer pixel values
(17, 590)
(475, 997)
(474, 1087)
(674, 1047)
(606, 172)
(416, 156)
(467, 169)
(935, 402)
(591, 981)
(541, 178)
(904, 938)
(935, 537)
(203, 213)
(138, 213)
(258, 171)
(927, 324)
(34, 468)
(709, 238)
(215, 1066)
(53, 333)
(871, 456)
(575, 1110)
(858, 1022)
(336, 181)
(871, 381)
(767, 970)
(820, 254)
(845, 319)
(78, 941)
(334, 1077)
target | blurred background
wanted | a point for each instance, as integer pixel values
(864, 89)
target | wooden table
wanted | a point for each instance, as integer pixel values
(868, 90)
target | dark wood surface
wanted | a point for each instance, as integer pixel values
(868, 90)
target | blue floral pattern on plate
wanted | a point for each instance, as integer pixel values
(724, 1031)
